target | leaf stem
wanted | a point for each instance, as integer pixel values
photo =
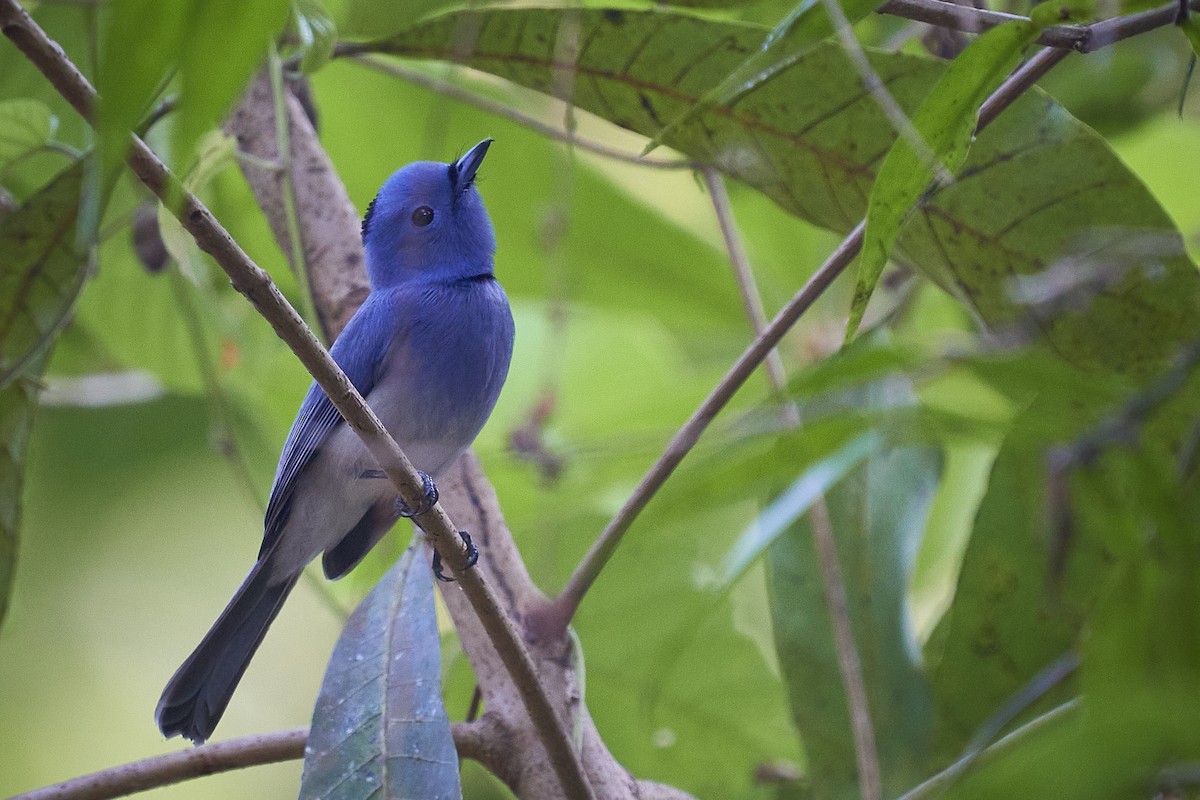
(283, 147)
(499, 109)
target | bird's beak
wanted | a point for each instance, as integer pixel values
(466, 167)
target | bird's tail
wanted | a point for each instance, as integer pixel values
(199, 691)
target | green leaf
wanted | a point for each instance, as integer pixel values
(317, 33)
(25, 125)
(795, 501)
(41, 271)
(18, 401)
(379, 728)
(878, 515)
(240, 32)
(946, 123)
(1007, 622)
(1039, 192)
(141, 41)
(800, 31)
(1140, 648)
(1191, 32)
(214, 44)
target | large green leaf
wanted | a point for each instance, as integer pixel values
(945, 122)
(804, 27)
(878, 515)
(379, 728)
(1140, 655)
(1037, 188)
(42, 269)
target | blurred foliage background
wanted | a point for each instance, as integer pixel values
(709, 665)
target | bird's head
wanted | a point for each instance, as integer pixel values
(428, 222)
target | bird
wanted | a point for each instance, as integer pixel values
(429, 349)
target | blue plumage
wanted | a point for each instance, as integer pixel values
(429, 350)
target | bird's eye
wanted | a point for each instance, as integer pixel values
(422, 216)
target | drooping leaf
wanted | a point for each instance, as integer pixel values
(18, 400)
(41, 271)
(877, 515)
(25, 125)
(1038, 191)
(946, 124)
(379, 728)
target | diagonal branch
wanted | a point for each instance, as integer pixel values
(1083, 38)
(253, 282)
(686, 437)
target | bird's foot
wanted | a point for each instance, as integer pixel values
(427, 502)
(472, 557)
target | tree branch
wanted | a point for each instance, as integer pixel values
(196, 762)
(686, 437)
(1082, 38)
(249, 279)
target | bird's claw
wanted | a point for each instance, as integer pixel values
(427, 502)
(472, 557)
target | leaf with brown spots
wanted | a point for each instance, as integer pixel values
(1041, 195)
(42, 270)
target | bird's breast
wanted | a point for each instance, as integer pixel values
(443, 373)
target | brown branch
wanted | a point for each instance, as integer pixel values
(1082, 38)
(686, 437)
(212, 758)
(249, 279)
(182, 765)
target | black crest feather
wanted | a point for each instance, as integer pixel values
(366, 223)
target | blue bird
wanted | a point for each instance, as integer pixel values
(429, 350)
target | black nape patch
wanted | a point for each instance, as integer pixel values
(366, 223)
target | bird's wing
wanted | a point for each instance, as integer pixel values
(359, 351)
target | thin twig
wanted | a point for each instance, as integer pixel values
(182, 765)
(751, 300)
(685, 439)
(1082, 38)
(883, 98)
(866, 755)
(492, 107)
(283, 146)
(253, 282)
(939, 782)
(834, 588)
(209, 759)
